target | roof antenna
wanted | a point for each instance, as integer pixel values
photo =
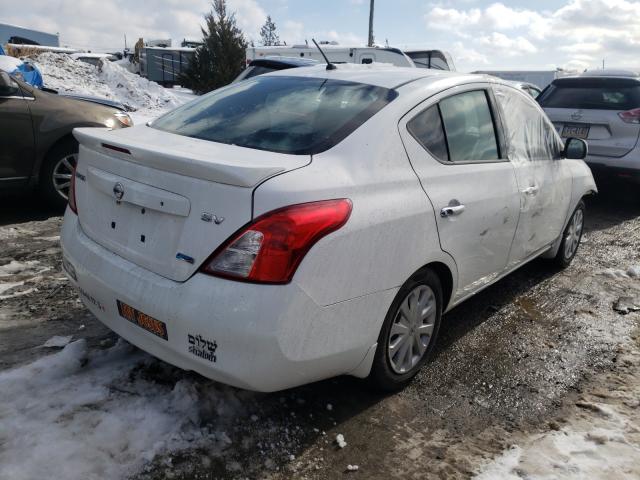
(330, 66)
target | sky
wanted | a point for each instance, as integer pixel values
(479, 34)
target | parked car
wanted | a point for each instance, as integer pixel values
(273, 64)
(602, 107)
(311, 222)
(38, 149)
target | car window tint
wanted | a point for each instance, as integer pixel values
(469, 127)
(529, 133)
(592, 93)
(295, 115)
(426, 128)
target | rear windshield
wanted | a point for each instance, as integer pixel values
(294, 115)
(595, 94)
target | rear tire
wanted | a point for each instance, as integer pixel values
(409, 332)
(571, 237)
(55, 174)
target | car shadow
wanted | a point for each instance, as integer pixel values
(615, 203)
(24, 207)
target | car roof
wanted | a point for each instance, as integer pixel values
(378, 74)
(610, 73)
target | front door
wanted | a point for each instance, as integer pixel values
(544, 181)
(16, 134)
(454, 148)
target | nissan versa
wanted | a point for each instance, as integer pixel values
(312, 222)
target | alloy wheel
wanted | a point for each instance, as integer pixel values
(574, 233)
(62, 173)
(412, 329)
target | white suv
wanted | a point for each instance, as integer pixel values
(602, 107)
(311, 223)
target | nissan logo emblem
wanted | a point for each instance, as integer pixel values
(118, 191)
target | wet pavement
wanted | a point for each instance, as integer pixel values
(509, 360)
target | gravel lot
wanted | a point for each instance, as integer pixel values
(533, 367)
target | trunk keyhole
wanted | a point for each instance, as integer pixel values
(113, 225)
(142, 238)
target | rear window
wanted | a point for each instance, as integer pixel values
(594, 94)
(294, 115)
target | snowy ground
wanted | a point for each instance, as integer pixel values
(538, 377)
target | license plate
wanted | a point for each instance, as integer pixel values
(575, 131)
(142, 320)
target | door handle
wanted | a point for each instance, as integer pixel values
(532, 191)
(451, 211)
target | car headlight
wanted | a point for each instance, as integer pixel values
(119, 120)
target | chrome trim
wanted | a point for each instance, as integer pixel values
(10, 179)
(18, 97)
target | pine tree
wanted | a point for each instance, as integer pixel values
(223, 53)
(268, 33)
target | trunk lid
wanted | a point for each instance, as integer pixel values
(163, 201)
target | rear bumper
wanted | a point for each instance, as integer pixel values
(258, 337)
(624, 168)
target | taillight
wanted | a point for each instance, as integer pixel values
(269, 249)
(72, 191)
(630, 116)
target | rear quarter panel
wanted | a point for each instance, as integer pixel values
(391, 232)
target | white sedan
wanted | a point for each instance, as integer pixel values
(312, 222)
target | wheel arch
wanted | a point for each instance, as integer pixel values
(446, 276)
(67, 137)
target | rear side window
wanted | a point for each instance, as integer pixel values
(295, 115)
(426, 128)
(592, 93)
(468, 125)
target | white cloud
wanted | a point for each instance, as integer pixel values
(511, 47)
(577, 34)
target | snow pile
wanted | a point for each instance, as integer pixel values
(108, 80)
(599, 448)
(78, 414)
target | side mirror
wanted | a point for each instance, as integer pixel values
(575, 149)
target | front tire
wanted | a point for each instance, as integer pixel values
(571, 237)
(409, 332)
(55, 175)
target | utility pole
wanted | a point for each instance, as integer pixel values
(371, 25)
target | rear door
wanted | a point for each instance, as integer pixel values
(16, 135)
(453, 143)
(590, 108)
(544, 180)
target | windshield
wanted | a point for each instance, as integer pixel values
(295, 115)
